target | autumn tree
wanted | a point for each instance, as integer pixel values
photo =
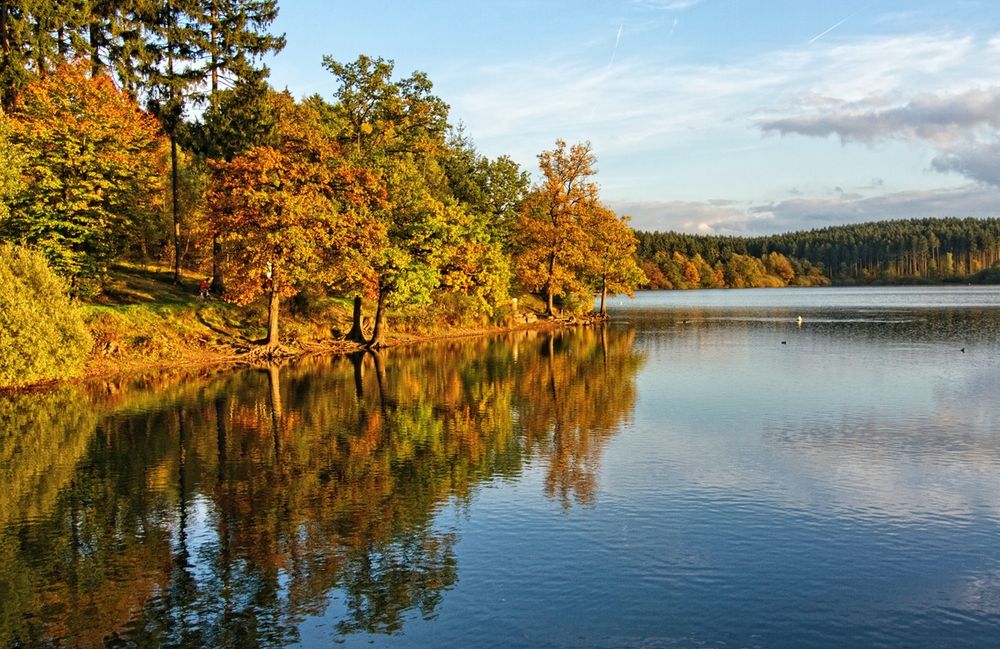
(292, 207)
(395, 128)
(237, 38)
(91, 168)
(611, 265)
(551, 240)
(778, 265)
(234, 121)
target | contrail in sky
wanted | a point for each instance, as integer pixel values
(617, 40)
(836, 25)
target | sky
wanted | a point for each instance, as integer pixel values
(706, 116)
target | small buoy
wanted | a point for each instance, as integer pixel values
(962, 350)
(799, 320)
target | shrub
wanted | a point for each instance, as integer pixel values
(42, 334)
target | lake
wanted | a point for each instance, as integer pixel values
(705, 471)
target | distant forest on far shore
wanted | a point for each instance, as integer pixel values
(884, 252)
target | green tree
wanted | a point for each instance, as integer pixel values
(91, 170)
(396, 129)
(42, 335)
(171, 74)
(11, 162)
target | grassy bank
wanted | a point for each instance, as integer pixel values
(143, 320)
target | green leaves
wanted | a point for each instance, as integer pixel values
(91, 165)
(42, 334)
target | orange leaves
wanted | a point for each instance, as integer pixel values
(92, 168)
(297, 208)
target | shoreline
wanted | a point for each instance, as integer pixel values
(103, 368)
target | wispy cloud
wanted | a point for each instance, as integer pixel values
(654, 104)
(618, 39)
(836, 25)
(668, 5)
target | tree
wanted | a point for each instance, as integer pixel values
(611, 263)
(237, 39)
(42, 334)
(234, 121)
(292, 208)
(170, 73)
(11, 162)
(14, 29)
(396, 129)
(779, 266)
(91, 170)
(492, 189)
(551, 243)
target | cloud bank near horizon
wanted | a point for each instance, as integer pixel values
(807, 213)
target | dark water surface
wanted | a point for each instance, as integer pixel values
(705, 472)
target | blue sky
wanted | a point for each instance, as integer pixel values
(712, 116)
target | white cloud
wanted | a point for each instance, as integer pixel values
(979, 161)
(641, 105)
(733, 218)
(941, 119)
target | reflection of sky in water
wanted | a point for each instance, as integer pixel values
(878, 418)
(839, 490)
(842, 489)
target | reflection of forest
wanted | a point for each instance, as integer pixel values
(221, 509)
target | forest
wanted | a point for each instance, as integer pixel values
(887, 252)
(146, 132)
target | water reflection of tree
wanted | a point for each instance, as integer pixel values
(587, 377)
(228, 516)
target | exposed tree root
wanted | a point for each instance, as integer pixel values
(268, 354)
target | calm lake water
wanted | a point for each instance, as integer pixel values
(704, 472)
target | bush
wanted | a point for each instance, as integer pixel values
(42, 335)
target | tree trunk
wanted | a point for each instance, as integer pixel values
(95, 49)
(377, 334)
(274, 385)
(218, 286)
(604, 345)
(356, 333)
(604, 297)
(549, 293)
(174, 175)
(272, 313)
(358, 362)
(214, 40)
(379, 378)
(220, 439)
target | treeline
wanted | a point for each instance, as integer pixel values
(672, 260)
(146, 129)
(944, 249)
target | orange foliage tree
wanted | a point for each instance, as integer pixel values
(551, 242)
(611, 262)
(91, 169)
(294, 209)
